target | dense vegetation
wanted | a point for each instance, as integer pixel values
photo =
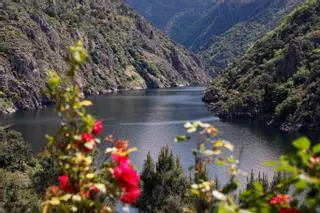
(17, 166)
(125, 51)
(222, 49)
(278, 79)
(219, 30)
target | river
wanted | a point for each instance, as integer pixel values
(151, 119)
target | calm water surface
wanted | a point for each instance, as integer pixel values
(152, 118)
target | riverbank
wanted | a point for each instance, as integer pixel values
(238, 112)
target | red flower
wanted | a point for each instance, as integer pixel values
(93, 191)
(126, 176)
(288, 210)
(280, 199)
(120, 158)
(64, 183)
(86, 137)
(130, 196)
(97, 128)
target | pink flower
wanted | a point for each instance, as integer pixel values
(126, 176)
(280, 199)
(127, 179)
(130, 196)
(86, 137)
(64, 183)
(120, 158)
(288, 210)
(97, 128)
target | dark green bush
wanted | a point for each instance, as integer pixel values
(14, 152)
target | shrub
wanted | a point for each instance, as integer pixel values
(302, 171)
(17, 193)
(5, 48)
(14, 152)
(83, 185)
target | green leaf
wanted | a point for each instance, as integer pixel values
(192, 130)
(66, 197)
(54, 201)
(202, 148)
(54, 80)
(258, 187)
(191, 168)
(301, 184)
(316, 148)
(302, 143)
(230, 160)
(244, 211)
(181, 138)
(287, 168)
(220, 162)
(270, 163)
(223, 210)
(86, 103)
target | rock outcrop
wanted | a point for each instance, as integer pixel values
(126, 52)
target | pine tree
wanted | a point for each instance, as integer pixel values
(164, 185)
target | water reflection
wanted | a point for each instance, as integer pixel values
(152, 118)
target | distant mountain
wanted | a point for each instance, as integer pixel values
(279, 77)
(162, 12)
(126, 52)
(220, 30)
(262, 16)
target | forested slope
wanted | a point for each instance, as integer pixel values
(126, 52)
(279, 77)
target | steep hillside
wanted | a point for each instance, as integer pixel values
(279, 78)
(220, 30)
(125, 51)
(220, 50)
(163, 12)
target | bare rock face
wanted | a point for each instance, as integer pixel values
(126, 52)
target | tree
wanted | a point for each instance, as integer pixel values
(164, 185)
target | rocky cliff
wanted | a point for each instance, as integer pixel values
(279, 77)
(126, 52)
